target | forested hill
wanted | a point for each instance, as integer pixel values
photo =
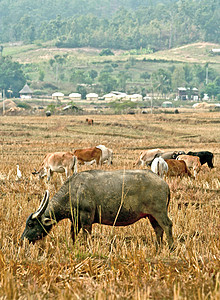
(117, 24)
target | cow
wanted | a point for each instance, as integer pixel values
(115, 198)
(170, 154)
(107, 154)
(89, 121)
(205, 157)
(146, 157)
(88, 156)
(159, 167)
(177, 168)
(59, 162)
(192, 162)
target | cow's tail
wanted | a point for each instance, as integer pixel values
(74, 164)
(168, 198)
(158, 168)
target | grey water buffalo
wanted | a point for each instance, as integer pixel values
(116, 198)
(59, 162)
(205, 157)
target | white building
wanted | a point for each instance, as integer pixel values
(135, 97)
(75, 96)
(92, 97)
(110, 97)
(26, 92)
(57, 96)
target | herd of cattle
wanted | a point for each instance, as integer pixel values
(172, 163)
(175, 163)
(116, 198)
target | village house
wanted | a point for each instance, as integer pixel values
(26, 92)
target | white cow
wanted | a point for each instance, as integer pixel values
(159, 166)
(107, 154)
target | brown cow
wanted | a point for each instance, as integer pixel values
(89, 121)
(88, 156)
(177, 168)
(59, 162)
(192, 162)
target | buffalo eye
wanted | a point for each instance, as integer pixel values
(30, 224)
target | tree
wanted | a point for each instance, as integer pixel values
(178, 78)
(1, 49)
(161, 81)
(93, 74)
(11, 76)
(145, 76)
(107, 81)
(81, 90)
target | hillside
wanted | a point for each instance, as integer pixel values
(191, 53)
(48, 68)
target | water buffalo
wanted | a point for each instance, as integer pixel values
(116, 198)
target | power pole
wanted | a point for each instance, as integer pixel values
(207, 74)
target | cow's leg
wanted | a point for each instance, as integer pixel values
(67, 172)
(158, 230)
(49, 174)
(98, 161)
(75, 166)
(166, 224)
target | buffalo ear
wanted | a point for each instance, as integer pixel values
(48, 221)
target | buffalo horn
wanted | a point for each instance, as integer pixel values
(42, 206)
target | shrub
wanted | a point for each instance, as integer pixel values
(106, 52)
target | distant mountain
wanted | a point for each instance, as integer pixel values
(121, 24)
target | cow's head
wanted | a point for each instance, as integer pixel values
(41, 173)
(37, 224)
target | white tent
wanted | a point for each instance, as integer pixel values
(57, 96)
(75, 96)
(110, 97)
(92, 96)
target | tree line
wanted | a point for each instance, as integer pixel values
(112, 24)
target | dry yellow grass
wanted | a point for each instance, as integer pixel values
(115, 263)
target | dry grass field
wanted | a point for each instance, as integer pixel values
(114, 263)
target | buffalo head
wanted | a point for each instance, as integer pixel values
(37, 224)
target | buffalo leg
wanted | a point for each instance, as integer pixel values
(74, 231)
(85, 220)
(166, 224)
(158, 230)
